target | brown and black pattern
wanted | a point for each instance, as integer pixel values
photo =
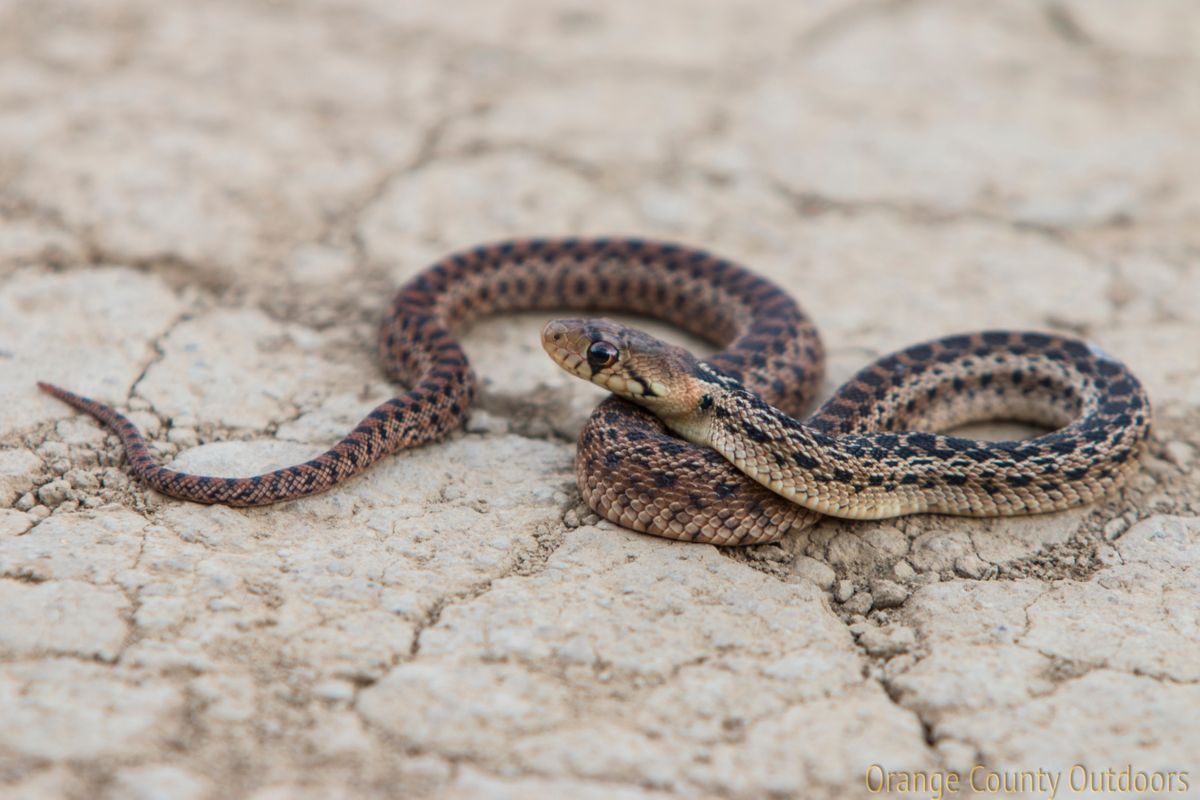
(866, 454)
(650, 480)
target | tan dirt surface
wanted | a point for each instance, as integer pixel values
(204, 208)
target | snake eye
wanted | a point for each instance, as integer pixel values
(601, 355)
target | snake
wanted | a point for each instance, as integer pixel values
(712, 450)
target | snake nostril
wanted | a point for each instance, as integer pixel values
(553, 331)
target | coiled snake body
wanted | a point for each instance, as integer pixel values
(852, 458)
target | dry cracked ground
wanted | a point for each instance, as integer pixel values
(203, 210)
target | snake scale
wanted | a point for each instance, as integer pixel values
(860, 455)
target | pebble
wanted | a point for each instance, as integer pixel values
(55, 492)
(844, 591)
(904, 571)
(1114, 528)
(482, 422)
(17, 467)
(25, 502)
(184, 437)
(888, 642)
(82, 480)
(54, 451)
(814, 571)
(888, 594)
(860, 627)
(860, 603)
(1180, 454)
(970, 566)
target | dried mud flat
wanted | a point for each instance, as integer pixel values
(203, 211)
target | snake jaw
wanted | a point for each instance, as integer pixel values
(578, 366)
(568, 360)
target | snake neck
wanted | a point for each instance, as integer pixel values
(712, 408)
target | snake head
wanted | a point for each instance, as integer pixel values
(626, 361)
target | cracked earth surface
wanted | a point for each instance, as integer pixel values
(203, 211)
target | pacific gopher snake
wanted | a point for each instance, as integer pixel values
(850, 458)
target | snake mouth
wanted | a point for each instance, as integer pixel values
(568, 360)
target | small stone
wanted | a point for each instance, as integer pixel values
(54, 451)
(888, 594)
(844, 591)
(114, 479)
(904, 571)
(770, 553)
(889, 641)
(82, 480)
(814, 571)
(859, 628)
(16, 473)
(571, 518)
(970, 566)
(860, 603)
(85, 457)
(1114, 528)
(482, 422)
(184, 437)
(38, 513)
(55, 492)
(1180, 454)
(25, 502)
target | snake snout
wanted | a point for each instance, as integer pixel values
(554, 331)
(562, 347)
